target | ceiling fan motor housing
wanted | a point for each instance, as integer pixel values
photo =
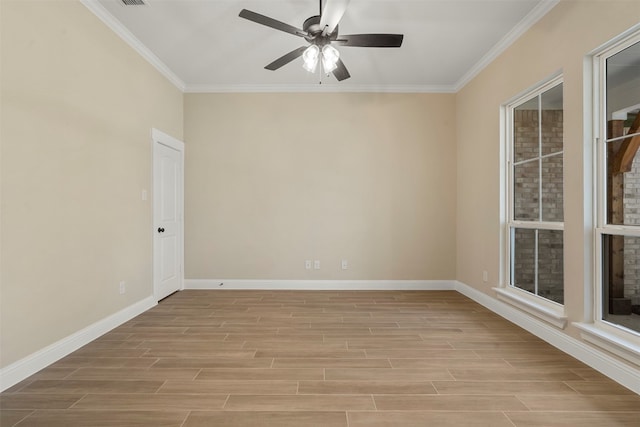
(314, 31)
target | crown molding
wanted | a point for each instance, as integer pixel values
(525, 24)
(522, 27)
(97, 9)
(315, 88)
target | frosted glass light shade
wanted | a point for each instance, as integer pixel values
(330, 56)
(310, 58)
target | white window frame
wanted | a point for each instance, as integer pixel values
(543, 308)
(614, 338)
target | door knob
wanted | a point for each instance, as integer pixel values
(160, 230)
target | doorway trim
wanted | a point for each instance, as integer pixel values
(160, 138)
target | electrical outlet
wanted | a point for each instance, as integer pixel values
(316, 264)
(307, 264)
(123, 287)
(485, 276)
(345, 264)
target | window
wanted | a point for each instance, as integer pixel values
(535, 192)
(618, 196)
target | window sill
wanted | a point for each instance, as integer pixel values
(613, 343)
(549, 314)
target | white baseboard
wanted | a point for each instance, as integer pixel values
(23, 368)
(322, 285)
(613, 368)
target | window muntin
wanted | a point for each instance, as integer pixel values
(536, 208)
(618, 200)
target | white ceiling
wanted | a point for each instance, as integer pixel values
(203, 46)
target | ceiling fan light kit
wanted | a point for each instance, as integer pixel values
(320, 31)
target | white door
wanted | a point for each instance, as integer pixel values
(167, 214)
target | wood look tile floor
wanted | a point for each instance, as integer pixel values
(307, 358)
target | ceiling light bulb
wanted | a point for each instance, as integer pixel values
(310, 58)
(330, 57)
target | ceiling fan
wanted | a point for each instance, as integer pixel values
(321, 31)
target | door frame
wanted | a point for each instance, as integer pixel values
(161, 138)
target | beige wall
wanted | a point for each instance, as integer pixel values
(403, 186)
(77, 108)
(275, 179)
(559, 41)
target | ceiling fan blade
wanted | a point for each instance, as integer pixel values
(332, 13)
(370, 40)
(341, 72)
(285, 59)
(270, 22)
